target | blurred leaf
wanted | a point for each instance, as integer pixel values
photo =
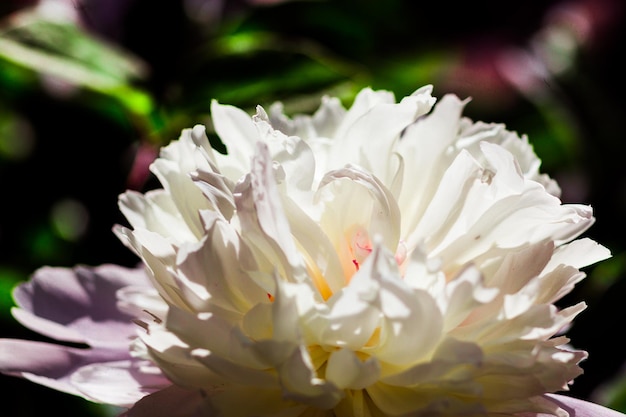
(16, 138)
(561, 144)
(296, 77)
(403, 74)
(45, 246)
(246, 67)
(14, 79)
(103, 410)
(613, 393)
(607, 273)
(9, 278)
(68, 54)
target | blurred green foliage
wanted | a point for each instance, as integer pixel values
(86, 94)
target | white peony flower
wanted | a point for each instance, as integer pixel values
(390, 259)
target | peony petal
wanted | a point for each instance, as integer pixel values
(175, 360)
(412, 321)
(173, 401)
(237, 131)
(299, 382)
(61, 303)
(422, 401)
(186, 196)
(232, 372)
(322, 124)
(216, 334)
(356, 403)
(518, 268)
(580, 408)
(48, 328)
(346, 370)
(423, 147)
(49, 364)
(155, 211)
(452, 362)
(263, 221)
(464, 295)
(142, 302)
(321, 259)
(579, 254)
(384, 121)
(365, 100)
(156, 253)
(223, 252)
(120, 383)
(291, 152)
(352, 314)
(383, 216)
(259, 401)
(443, 210)
(218, 190)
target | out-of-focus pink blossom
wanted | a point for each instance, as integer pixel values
(86, 311)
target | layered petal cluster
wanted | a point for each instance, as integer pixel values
(390, 259)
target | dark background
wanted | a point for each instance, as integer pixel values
(83, 143)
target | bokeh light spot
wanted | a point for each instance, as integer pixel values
(70, 219)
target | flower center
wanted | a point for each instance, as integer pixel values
(361, 247)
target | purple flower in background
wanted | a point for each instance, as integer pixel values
(389, 259)
(83, 306)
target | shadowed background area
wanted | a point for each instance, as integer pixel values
(89, 89)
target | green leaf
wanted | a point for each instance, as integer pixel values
(9, 278)
(16, 139)
(613, 393)
(65, 51)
